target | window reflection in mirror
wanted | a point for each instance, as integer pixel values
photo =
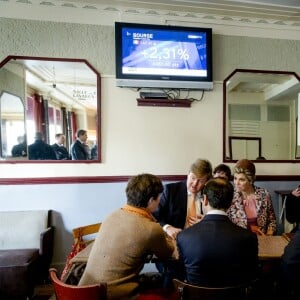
(261, 109)
(50, 96)
(12, 126)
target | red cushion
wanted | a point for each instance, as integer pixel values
(157, 294)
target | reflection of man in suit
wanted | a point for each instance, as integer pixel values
(215, 251)
(39, 150)
(60, 150)
(21, 148)
(79, 147)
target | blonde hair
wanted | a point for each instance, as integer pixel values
(201, 167)
(250, 177)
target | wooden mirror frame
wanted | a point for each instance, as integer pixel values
(98, 97)
(259, 159)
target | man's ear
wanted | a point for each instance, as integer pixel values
(205, 200)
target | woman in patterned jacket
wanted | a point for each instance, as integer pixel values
(251, 206)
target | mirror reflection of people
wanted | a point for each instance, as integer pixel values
(20, 150)
(94, 152)
(215, 251)
(79, 149)
(59, 148)
(126, 237)
(251, 206)
(291, 255)
(40, 150)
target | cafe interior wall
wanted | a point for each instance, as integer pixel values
(151, 138)
(134, 139)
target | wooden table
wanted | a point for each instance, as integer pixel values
(269, 247)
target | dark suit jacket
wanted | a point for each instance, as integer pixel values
(61, 152)
(39, 150)
(19, 150)
(78, 151)
(173, 205)
(292, 208)
(291, 255)
(217, 252)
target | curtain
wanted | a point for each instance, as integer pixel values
(73, 125)
(39, 114)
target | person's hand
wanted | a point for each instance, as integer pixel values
(194, 220)
(172, 231)
(296, 192)
(255, 229)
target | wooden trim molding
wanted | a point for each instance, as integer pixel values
(111, 179)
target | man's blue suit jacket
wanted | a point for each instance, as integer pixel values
(217, 252)
(173, 205)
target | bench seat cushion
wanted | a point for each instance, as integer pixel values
(17, 257)
(17, 271)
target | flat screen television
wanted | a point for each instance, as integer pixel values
(163, 56)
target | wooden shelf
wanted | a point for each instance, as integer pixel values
(164, 102)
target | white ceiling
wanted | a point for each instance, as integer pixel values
(73, 84)
(285, 10)
(275, 86)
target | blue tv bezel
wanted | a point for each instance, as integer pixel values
(162, 81)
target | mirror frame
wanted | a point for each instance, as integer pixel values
(226, 160)
(98, 121)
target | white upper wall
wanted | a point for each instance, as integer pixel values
(161, 140)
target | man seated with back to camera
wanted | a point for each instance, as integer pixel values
(215, 251)
(126, 237)
(180, 207)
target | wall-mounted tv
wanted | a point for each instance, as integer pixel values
(163, 56)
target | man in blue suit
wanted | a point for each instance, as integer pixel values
(79, 148)
(60, 150)
(215, 251)
(180, 201)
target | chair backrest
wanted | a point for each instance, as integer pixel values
(185, 291)
(83, 236)
(73, 292)
(80, 234)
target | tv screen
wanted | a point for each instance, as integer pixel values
(163, 56)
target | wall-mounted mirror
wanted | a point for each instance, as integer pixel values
(48, 96)
(261, 111)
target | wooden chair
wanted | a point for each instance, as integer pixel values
(65, 291)
(83, 234)
(185, 291)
